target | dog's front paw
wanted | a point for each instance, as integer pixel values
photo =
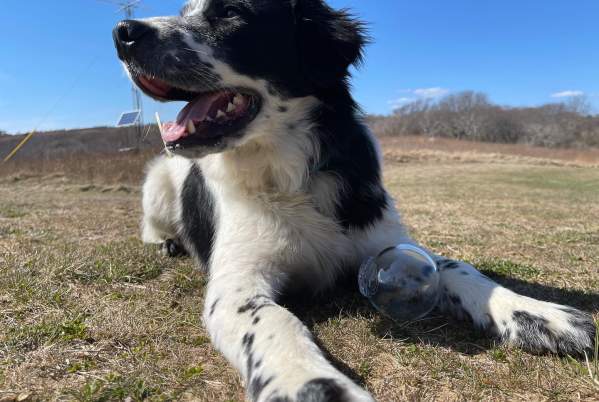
(329, 390)
(172, 248)
(319, 389)
(541, 327)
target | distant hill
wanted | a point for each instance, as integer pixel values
(456, 117)
(98, 140)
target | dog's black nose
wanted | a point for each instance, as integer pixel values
(127, 33)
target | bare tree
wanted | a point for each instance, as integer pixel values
(579, 104)
(470, 115)
(466, 110)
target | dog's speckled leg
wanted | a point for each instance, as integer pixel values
(271, 347)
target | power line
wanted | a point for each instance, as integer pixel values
(58, 100)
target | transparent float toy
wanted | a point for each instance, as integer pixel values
(402, 282)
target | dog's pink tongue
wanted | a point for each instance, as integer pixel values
(172, 131)
(195, 111)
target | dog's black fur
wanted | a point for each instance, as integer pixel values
(292, 194)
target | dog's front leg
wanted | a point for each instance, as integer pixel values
(531, 324)
(270, 347)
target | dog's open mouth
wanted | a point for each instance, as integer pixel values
(208, 117)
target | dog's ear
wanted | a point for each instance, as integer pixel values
(329, 41)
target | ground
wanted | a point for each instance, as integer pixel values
(88, 313)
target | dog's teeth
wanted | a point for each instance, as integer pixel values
(191, 128)
(220, 114)
(230, 107)
(238, 99)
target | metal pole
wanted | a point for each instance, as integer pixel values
(128, 7)
(137, 101)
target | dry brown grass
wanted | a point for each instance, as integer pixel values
(477, 151)
(111, 168)
(127, 168)
(88, 313)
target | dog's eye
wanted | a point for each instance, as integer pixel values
(231, 12)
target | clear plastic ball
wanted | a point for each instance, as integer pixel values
(402, 282)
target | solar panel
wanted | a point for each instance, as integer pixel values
(128, 118)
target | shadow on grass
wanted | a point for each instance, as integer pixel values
(435, 330)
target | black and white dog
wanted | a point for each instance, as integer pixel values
(274, 184)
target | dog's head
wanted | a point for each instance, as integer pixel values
(237, 63)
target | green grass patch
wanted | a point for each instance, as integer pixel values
(192, 372)
(114, 387)
(10, 231)
(562, 179)
(185, 279)
(81, 365)
(127, 261)
(574, 237)
(364, 370)
(12, 211)
(32, 336)
(498, 354)
(506, 268)
(199, 341)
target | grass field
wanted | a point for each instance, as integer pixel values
(88, 313)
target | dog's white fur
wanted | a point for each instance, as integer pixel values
(276, 224)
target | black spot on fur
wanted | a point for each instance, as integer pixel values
(257, 385)
(582, 321)
(533, 333)
(256, 320)
(457, 308)
(503, 333)
(320, 390)
(448, 264)
(198, 214)
(290, 127)
(416, 279)
(455, 300)
(213, 307)
(246, 307)
(277, 398)
(248, 340)
(255, 304)
(282, 109)
(464, 273)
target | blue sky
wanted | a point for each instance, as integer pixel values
(520, 52)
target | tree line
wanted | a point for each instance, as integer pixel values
(472, 116)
